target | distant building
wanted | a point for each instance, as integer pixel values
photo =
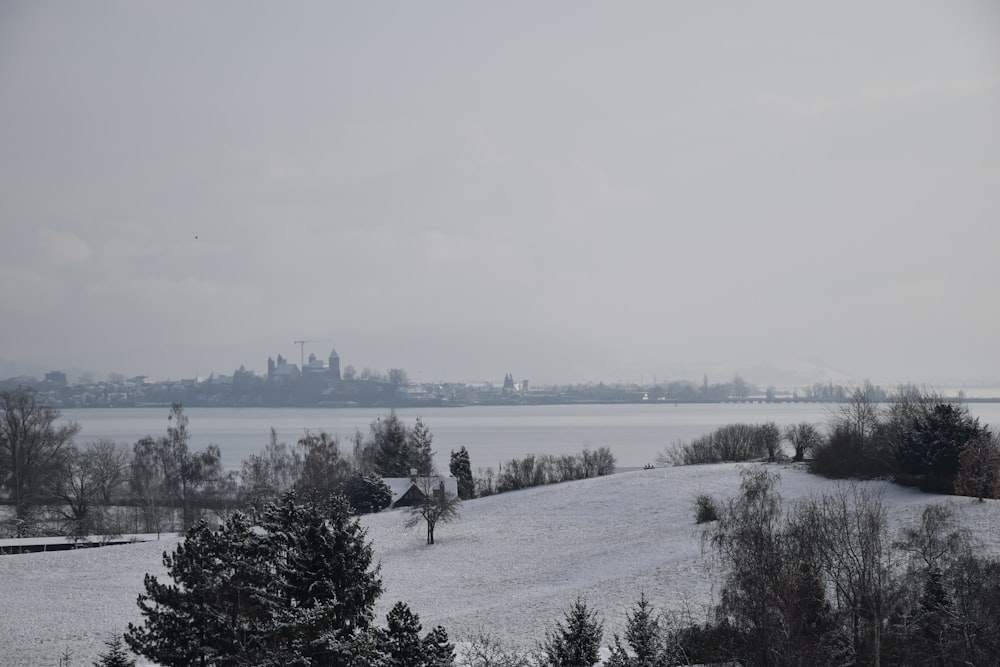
(315, 365)
(281, 369)
(409, 491)
(56, 377)
(334, 366)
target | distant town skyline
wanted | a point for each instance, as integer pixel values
(568, 191)
(785, 374)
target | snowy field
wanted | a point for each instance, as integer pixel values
(510, 566)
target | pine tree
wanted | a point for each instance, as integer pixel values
(421, 454)
(299, 592)
(439, 651)
(206, 615)
(323, 582)
(401, 640)
(391, 445)
(576, 643)
(461, 469)
(367, 493)
(642, 631)
(402, 645)
(116, 655)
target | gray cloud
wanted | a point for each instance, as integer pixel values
(567, 191)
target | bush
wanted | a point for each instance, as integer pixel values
(733, 442)
(547, 469)
(705, 509)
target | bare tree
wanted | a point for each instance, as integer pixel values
(266, 476)
(31, 445)
(72, 484)
(147, 484)
(324, 468)
(436, 506)
(164, 471)
(483, 650)
(110, 462)
(186, 474)
(851, 533)
(803, 437)
(859, 414)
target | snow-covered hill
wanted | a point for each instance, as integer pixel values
(510, 566)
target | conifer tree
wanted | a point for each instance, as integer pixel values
(390, 443)
(439, 651)
(420, 440)
(401, 638)
(461, 469)
(206, 613)
(642, 631)
(576, 643)
(404, 647)
(324, 582)
(116, 655)
(299, 592)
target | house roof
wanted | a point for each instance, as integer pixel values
(398, 486)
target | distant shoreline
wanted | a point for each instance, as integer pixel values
(524, 402)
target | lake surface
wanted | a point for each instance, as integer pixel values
(635, 433)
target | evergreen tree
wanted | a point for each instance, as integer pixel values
(461, 469)
(419, 445)
(116, 655)
(209, 615)
(401, 638)
(935, 440)
(576, 643)
(642, 631)
(367, 494)
(439, 651)
(323, 578)
(391, 446)
(403, 646)
(298, 592)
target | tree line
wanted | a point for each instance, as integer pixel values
(161, 484)
(538, 470)
(912, 436)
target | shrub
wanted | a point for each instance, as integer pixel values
(547, 469)
(705, 509)
(979, 469)
(733, 442)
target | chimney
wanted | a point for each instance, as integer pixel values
(413, 475)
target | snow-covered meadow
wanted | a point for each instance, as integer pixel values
(509, 566)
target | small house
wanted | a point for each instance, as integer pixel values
(409, 491)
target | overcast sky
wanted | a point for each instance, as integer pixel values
(568, 191)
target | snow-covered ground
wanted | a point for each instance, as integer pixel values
(510, 566)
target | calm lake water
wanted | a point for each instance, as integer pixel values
(635, 433)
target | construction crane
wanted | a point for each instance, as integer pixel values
(302, 352)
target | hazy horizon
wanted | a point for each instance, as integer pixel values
(566, 191)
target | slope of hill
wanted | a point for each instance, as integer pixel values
(510, 566)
